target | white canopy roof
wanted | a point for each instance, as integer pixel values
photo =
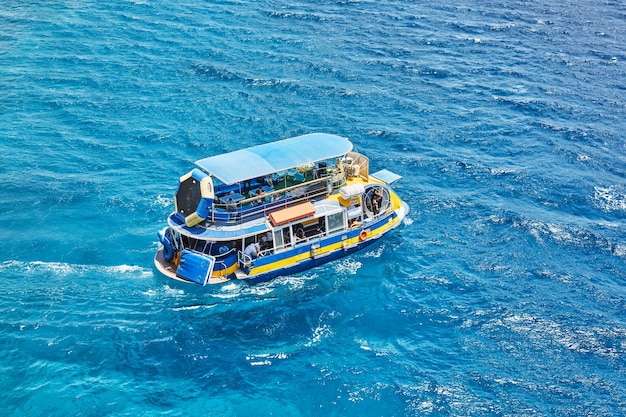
(262, 160)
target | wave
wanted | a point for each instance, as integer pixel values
(598, 340)
(347, 267)
(376, 252)
(610, 199)
(222, 73)
(304, 16)
(265, 359)
(67, 269)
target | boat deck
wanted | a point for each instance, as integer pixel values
(169, 270)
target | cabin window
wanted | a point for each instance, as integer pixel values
(335, 222)
(282, 238)
(278, 239)
(286, 236)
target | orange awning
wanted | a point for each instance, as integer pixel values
(291, 214)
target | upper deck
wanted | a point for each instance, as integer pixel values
(241, 186)
(271, 158)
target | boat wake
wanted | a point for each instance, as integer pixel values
(67, 269)
(347, 267)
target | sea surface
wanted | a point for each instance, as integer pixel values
(502, 294)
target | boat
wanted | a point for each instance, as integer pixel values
(274, 210)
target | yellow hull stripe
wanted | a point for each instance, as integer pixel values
(225, 272)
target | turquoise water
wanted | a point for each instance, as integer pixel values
(502, 294)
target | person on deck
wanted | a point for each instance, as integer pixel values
(260, 197)
(252, 250)
(300, 236)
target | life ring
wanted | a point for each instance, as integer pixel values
(362, 235)
(168, 249)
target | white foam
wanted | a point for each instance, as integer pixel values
(348, 266)
(296, 282)
(363, 344)
(193, 307)
(498, 172)
(173, 291)
(321, 332)
(552, 231)
(261, 363)
(376, 253)
(65, 269)
(265, 359)
(581, 340)
(620, 250)
(229, 290)
(163, 201)
(609, 199)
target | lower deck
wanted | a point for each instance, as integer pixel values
(279, 250)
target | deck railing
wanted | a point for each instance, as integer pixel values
(258, 206)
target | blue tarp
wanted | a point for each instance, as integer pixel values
(195, 266)
(259, 161)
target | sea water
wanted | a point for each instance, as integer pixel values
(502, 294)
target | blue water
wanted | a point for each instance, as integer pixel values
(503, 294)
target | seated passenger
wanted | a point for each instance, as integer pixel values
(266, 248)
(268, 239)
(260, 194)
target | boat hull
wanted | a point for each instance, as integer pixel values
(169, 268)
(302, 257)
(308, 263)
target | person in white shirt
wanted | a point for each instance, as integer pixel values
(252, 250)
